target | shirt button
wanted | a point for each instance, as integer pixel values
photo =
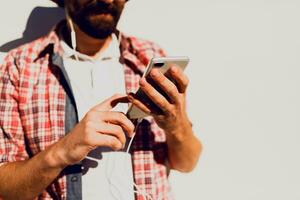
(74, 179)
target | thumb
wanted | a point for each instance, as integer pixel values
(111, 102)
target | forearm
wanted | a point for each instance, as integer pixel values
(27, 179)
(184, 149)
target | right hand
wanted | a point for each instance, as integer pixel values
(99, 128)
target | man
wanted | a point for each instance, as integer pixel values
(50, 120)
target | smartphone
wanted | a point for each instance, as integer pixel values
(163, 64)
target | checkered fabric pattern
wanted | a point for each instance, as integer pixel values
(32, 111)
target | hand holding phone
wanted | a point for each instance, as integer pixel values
(163, 64)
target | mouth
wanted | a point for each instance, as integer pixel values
(103, 9)
(103, 16)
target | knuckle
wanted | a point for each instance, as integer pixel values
(172, 113)
(90, 115)
(87, 139)
(121, 116)
(161, 103)
(160, 77)
(119, 131)
(131, 127)
(86, 130)
(110, 142)
(115, 144)
(186, 82)
(122, 137)
(173, 89)
(89, 124)
(135, 102)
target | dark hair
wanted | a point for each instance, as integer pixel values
(60, 3)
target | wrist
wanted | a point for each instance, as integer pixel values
(55, 156)
(180, 133)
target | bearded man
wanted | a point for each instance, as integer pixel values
(63, 128)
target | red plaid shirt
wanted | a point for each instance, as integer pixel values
(32, 111)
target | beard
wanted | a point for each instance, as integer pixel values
(98, 19)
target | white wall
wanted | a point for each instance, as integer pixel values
(244, 93)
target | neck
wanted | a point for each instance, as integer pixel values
(86, 44)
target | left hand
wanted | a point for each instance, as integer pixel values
(173, 118)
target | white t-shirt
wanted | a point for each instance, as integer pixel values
(94, 80)
(106, 174)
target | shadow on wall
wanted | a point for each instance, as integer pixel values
(41, 20)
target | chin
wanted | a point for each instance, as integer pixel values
(98, 32)
(99, 29)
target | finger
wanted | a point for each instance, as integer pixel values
(111, 102)
(111, 129)
(107, 141)
(139, 104)
(182, 81)
(166, 85)
(113, 117)
(146, 105)
(154, 95)
(120, 119)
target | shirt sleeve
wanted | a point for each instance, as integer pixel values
(12, 143)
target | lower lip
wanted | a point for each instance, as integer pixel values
(102, 15)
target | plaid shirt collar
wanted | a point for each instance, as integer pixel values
(128, 54)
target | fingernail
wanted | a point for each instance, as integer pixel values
(154, 73)
(174, 69)
(142, 81)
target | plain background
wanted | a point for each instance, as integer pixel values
(244, 95)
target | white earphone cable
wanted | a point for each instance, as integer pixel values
(138, 190)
